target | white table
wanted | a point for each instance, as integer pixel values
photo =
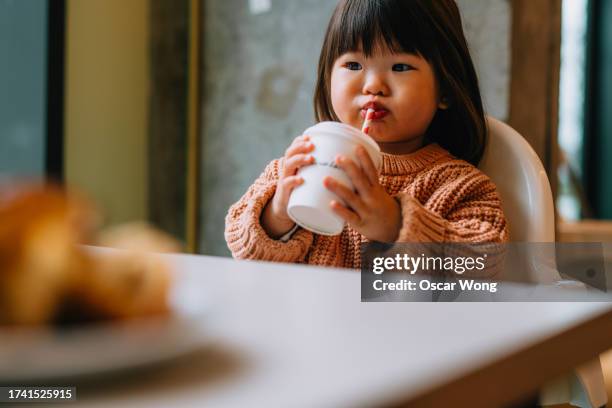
(299, 336)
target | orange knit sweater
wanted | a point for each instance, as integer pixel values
(443, 199)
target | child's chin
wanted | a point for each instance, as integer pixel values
(380, 140)
(379, 135)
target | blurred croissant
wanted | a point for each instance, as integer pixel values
(132, 281)
(39, 258)
(45, 276)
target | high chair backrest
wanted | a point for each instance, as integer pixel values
(527, 199)
(521, 182)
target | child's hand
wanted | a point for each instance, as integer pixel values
(275, 219)
(372, 211)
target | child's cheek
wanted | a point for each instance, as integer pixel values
(340, 101)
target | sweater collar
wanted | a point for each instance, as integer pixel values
(412, 162)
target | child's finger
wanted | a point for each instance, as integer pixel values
(359, 179)
(367, 165)
(346, 194)
(288, 184)
(295, 162)
(299, 139)
(301, 147)
(347, 215)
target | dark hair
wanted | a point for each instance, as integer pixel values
(429, 28)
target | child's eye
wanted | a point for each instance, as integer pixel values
(402, 67)
(353, 66)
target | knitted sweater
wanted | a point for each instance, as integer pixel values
(442, 198)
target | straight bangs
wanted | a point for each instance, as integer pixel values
(367, 26)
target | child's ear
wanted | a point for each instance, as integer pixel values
(443, 104)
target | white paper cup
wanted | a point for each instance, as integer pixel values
(309, 203)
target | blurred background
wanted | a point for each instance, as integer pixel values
(167, 110)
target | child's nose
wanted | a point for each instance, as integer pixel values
(375, 84)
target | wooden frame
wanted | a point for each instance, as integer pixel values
(534, 84)
(585, 231)
(167, 189)
(174, 118)
(193, 128)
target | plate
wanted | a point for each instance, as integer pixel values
(51, 353)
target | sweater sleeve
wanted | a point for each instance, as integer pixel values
(244, 234)
(465, 207)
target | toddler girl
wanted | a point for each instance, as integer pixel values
(409, 61)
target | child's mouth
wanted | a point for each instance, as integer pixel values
(378, 114)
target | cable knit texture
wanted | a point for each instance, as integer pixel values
(442, 198)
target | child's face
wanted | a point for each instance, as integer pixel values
(401, 87)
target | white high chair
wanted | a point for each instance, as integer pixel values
(527, 200)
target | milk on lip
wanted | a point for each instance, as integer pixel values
(309, 203)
